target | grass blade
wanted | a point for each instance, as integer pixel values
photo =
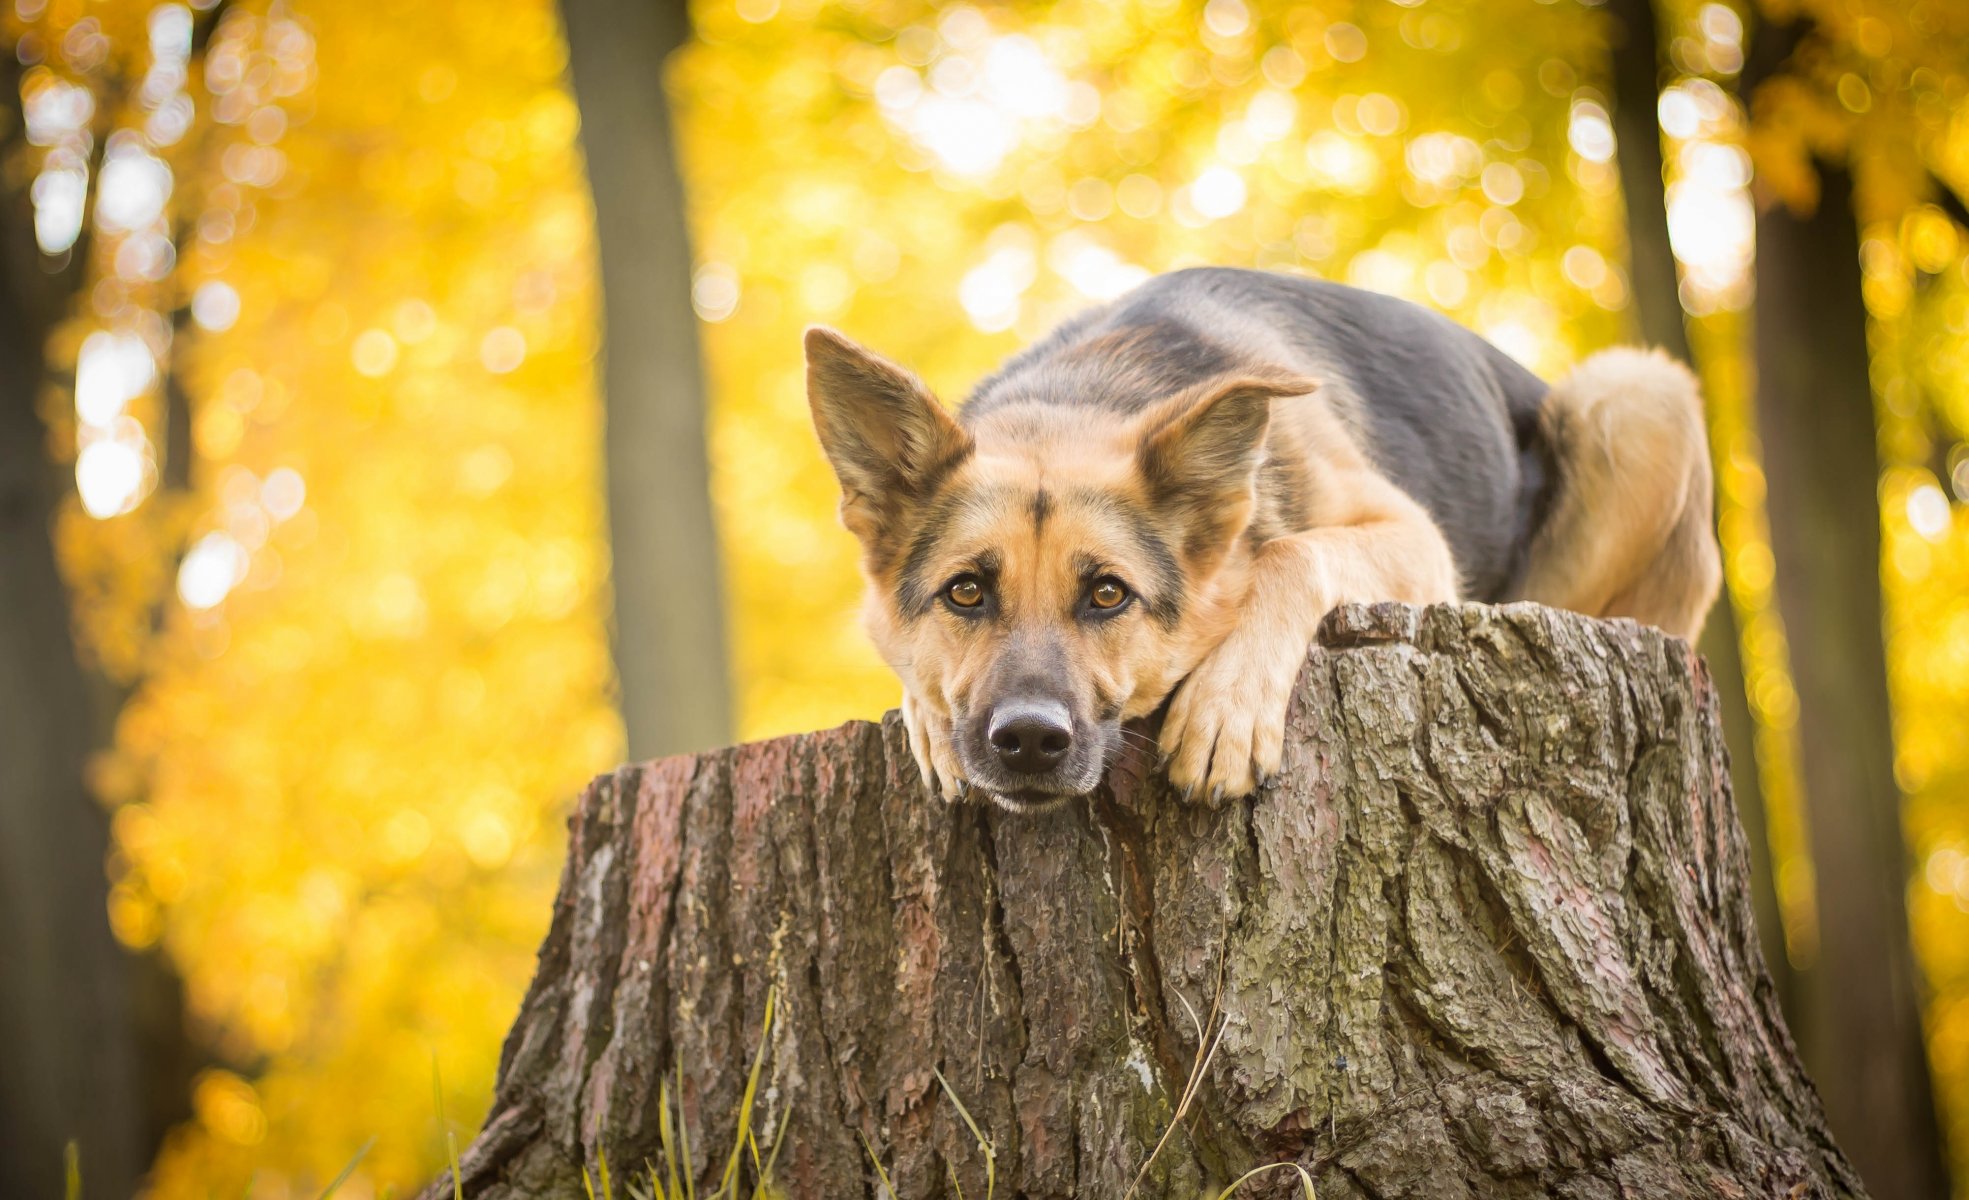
(684, 1140)
(1206, 1049)
(772, 1156)
(348, 1170)
(758, 1166)
(450, 1140)
(72, 1170)
(888, 1189)
(666, 1134)
(729, 1182)
(1305, 1180)
(984, 1143)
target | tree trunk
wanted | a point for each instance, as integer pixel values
(1636, 78)
(69, 1059)
(1488, 935)
(669, 628)
(1861, 1012)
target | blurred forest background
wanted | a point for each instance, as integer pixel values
(345, 530)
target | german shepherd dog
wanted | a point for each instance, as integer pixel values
(1161, 499)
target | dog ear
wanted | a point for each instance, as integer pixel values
(1208, 441)
(1200, 450)
(886, 436)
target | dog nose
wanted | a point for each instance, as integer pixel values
(1031, 738)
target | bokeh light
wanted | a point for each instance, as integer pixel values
(337, 446)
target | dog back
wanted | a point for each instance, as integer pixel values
(1448, 417)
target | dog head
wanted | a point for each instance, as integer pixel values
(1042, 578)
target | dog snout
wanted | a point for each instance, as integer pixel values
(1031, 737)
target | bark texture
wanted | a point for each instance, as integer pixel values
(1487, 935)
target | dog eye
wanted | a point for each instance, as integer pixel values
(1107, 593)
(965, 593)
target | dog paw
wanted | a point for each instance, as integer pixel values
(929, 744)
(1225, 732)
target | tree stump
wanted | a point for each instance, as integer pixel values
(1489, 934)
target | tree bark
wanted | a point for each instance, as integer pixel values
(1636, 63)
(669, 627)
(1487, 935)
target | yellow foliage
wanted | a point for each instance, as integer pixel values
(362, 705)
(1923, 367)
(947, 181)
(344, 770)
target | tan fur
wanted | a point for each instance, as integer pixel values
(1366, 540)
(1256, 485)
(945, 665)
(1629, 533)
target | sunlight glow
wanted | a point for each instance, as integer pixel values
(1341, 164)
(1713, 230)
(1712, 226)
(714, 292)
(1019, 80)
(112, 370)
(134, 187)
(215, 306)
(981, 94)
(213, 567)
(54, 109)
(1591, 132)
(1443, 159)
(58, 194)
(374, 353)
(1218, 193)
(991, 291)
(1094, 270)
(1928, 512)
(503, 350)
(109, 476)
(1518, 340)
(283, 493)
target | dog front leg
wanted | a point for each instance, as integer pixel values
(1225, 731)
(930, 745)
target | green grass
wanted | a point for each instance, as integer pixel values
(348, 1170)
(984, 1143)
(450, 1138)
(1305, 1180)
(888, 1188)
(677, 1179)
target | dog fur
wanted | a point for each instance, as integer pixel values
(1233, 453)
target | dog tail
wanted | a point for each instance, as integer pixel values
(1627, 531)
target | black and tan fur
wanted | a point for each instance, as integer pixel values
(1234, 453)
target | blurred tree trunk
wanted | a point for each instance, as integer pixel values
(1861, 1007)
(69, 1055)
(1636, 77)
(1862, 1020)
(1487, 935)
(669, 625)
